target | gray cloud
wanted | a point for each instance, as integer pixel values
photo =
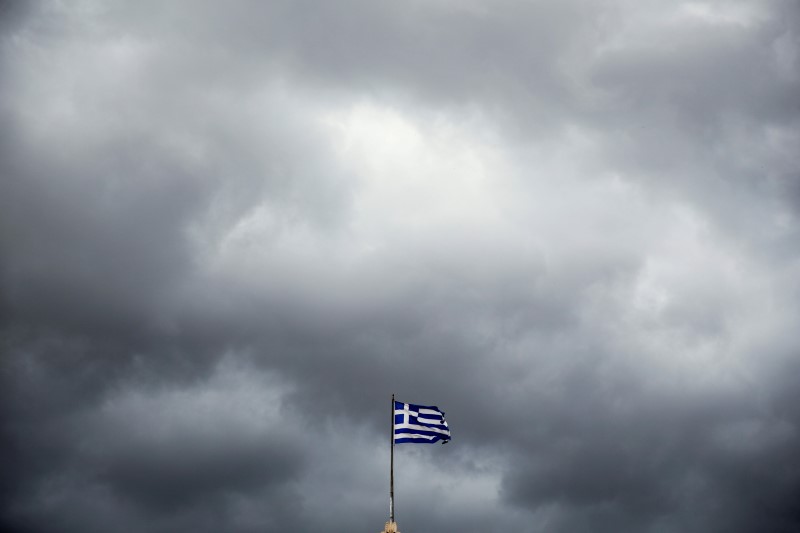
(228, 233)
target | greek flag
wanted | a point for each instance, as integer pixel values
(419, 423)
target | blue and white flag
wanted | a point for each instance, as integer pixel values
(419, 423)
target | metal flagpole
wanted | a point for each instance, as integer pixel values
(391, 470)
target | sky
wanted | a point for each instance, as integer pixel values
(230, 231)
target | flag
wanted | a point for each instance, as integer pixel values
(419, 423)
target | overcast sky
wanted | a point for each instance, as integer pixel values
(229, 231)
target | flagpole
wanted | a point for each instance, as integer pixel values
(391, 470)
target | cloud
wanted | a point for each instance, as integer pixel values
(229, 233)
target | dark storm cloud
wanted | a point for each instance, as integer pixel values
(11, 12)
(228, 232)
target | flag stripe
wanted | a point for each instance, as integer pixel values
(415, 438)
(404, 428)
